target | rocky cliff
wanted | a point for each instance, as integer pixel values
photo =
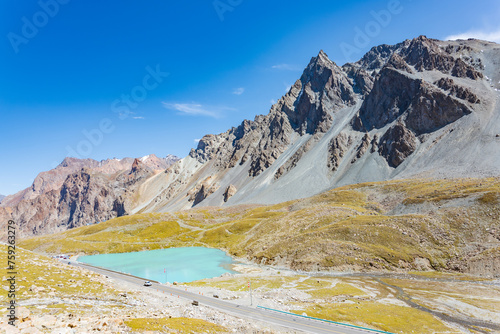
(420, 107)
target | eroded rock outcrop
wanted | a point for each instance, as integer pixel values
(422, 106)
(390, 97)
(362, 148)
(337, 149)
(397, 144)
(425, 54)
(430, 110)
(202, 190)
(230, 191)
(457, 91)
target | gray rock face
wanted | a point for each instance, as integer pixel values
(337, 149)
(397, 144)
(362, 148)
(323, 87)
(431, 110)
(392, 95)
(425, 107)
(379, 55)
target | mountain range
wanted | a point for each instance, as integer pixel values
(80, 192)
(419, 108)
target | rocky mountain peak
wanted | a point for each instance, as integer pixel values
(319, 69)
(70, 162)
(137, 166)
(307, 108)
(323, 88)
(321, 60)
(378, 56)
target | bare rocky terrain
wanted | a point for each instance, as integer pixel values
(80, 192)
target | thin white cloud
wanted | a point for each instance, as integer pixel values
(492, 36)
(287, 87)
(239, 91)
(285, 67)
(273, 101)
(196, 109)
(197, 141)
(138, 117)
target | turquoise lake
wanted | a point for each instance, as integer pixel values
(185, 264)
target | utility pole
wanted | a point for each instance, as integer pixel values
(250, 287)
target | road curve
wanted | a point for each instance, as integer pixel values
(275, 318)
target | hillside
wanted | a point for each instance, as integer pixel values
(418, 224)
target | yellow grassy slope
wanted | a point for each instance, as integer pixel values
(382, 225)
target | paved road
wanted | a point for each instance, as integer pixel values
(271, 317)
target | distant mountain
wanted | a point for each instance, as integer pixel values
(81, 191)
(422, 107)
(1, 198)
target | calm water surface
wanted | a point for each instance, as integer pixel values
(185, 264)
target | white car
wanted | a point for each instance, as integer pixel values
(147, 283)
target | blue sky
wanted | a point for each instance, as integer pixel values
(104, 79)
